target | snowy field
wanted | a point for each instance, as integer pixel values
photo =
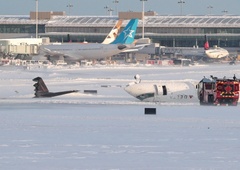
(109, 130)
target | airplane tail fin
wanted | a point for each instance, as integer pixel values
(206, 44)
(40, 87)
(113, 33)
(128, 33)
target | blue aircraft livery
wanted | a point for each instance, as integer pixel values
(128, 34)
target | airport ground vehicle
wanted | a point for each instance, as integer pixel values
(218, 91)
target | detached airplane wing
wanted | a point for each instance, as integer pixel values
(41, 89)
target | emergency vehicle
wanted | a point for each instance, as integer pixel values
(218, 91)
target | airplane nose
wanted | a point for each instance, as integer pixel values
(121, 47)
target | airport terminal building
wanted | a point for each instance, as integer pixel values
(171, 31)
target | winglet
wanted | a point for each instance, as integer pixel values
(128, 33)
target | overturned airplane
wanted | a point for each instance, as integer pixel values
(41, 89)
(169, 91)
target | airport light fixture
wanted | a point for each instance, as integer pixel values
(106, 8)
(143, 17)
(69, 6)
(110, 10)
(224, 12)
(210, 9)
(116, 6)
(181, 2)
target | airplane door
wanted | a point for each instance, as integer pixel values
(164, 89)
(160, 90)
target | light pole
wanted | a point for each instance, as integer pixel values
(225, 12)
(110, 10)
(106, 8)
(210, 9)
(181, 2)
(116, 6)
(69, 6)
(36, 18)
(143, 17)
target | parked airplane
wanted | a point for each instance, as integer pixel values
(196, 53)
(77, 51)
(41, 89)
(169, 91)
(215, 52)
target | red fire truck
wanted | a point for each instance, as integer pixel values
(218, 91)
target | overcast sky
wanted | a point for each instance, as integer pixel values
(96, 7)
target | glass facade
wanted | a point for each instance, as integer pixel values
(196, 40)
(86, 30)
(16, 28)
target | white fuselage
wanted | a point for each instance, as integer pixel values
(78, 51)
(216, 53)
(172, 91)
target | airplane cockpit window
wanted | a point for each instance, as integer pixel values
(145, 96)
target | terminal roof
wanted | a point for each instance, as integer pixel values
(150, 21)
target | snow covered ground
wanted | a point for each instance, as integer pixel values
(109, 130)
